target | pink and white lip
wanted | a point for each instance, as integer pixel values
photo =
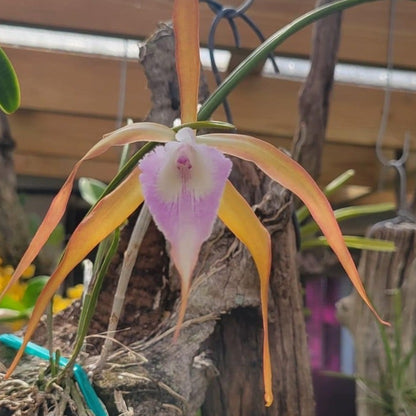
(183, 183)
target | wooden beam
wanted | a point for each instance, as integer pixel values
(59, 135)
(77, 84)
(59, 167)
(48, 144)
(354, 116)
(365, 27)
(339, 157)
(73, 84)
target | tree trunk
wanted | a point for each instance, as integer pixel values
(237, 341)
(226, 285)
(315, 94)
(14, 234)
(385, 276)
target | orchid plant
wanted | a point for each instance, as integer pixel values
(184, 182)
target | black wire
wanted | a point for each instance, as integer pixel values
(256, 30)
(216, 72)
(229, 14)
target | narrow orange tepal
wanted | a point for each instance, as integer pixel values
(238, 216)
(284, 170)
(51, 220)
(128, 134)
(185, 289)
(186, 27)
(96, 226)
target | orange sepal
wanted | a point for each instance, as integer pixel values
(283, 169)
(105, 217)
(238, 216)
(132, 133)
(186, 27)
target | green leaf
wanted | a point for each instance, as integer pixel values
(57, 236)
(9, 303)
(302, 213)
(338, 182)
(207, 124)
(106, 251)
(353, 241)
(91, 189)
(347, 213)
(9, 85)
(34, 287)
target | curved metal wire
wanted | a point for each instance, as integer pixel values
(399, 163)
(230, 14)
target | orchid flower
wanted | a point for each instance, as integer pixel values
(185, 185)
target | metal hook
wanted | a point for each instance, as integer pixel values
(399, 163)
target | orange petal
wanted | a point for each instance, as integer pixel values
(292, 176)
(107, 215)
(238, 216)
(186, 27)
(128, 134)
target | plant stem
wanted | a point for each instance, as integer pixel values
(129, 260)
(91, 297)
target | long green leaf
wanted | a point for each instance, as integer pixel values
(9, 85)
(347, 213)
(91, 297)
(338, 182)
(302, 213)
(352, 241)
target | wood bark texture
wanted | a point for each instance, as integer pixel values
(175, 378)
(14, 234)
(384, 275)
(315, 94)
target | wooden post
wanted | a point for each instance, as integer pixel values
(384, 274)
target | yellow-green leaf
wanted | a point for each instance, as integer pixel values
(346, 213)
(302, 213)
(353, 241)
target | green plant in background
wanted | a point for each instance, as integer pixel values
(308, 228)
(9, 85)
(57, 237)
(17, 305)
(395, 391)
(91, 190)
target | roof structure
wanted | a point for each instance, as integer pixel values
(69, 100)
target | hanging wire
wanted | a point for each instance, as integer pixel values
(230, 14)
(399, 164)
